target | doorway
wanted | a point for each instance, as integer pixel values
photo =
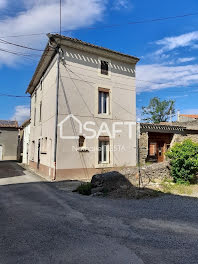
(160, 151)
(158, 144)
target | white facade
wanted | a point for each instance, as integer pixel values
(26, 144)
(91, 96)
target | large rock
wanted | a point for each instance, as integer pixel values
(110, 181)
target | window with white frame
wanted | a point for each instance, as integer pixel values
(103, 101)
(44, 145)
(103, 150)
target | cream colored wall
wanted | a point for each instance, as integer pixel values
(26, 143)
(9, 143)
(45, 93)
(78, 95)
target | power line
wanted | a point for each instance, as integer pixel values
(109, 25)
(17, 96)
(18, 45)
(26, 56)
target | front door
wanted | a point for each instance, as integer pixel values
(160, 152)
(1, 152)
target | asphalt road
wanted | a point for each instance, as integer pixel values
(40, 223)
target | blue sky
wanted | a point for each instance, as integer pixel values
(168, 49)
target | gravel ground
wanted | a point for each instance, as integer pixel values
(43, 224)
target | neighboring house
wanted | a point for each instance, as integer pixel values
(96, 85)
(26, 141)
(156, 139)
(186, 118)
(9, 131)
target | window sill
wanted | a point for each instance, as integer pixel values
(103, 165)
(104, 116)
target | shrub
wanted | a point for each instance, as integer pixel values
(84, 188)
(184, 161)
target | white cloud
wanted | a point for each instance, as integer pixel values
(43, 16)
(186, 59)
(171, 43)
(169, 76)
(3, 3)
(22, 112)
(119, 4)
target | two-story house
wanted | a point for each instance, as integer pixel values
(83, 110)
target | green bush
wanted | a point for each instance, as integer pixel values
(184, 161)
(85, 188)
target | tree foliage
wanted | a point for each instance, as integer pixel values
(184, 161)
(158, 111)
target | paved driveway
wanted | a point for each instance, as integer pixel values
(42, 224)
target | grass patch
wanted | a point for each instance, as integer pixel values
(84, 188)
(176, 188)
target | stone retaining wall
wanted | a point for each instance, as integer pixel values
(150, 173)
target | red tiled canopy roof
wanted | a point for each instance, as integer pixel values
(192, 116)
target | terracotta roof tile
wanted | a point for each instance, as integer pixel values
(192, 116)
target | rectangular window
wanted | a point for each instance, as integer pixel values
(40, 117)
(44, 145)
(34, 116)
(103, 101)
(103, 150)
(104, 67)
(35, 97)
(32, 150)
(81, 143)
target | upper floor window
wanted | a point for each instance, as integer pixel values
(40, 116)
(34, 116)
(103, 101)
(35, 97)
(81, 142)
(104, 67)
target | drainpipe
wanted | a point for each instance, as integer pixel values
(56, 114)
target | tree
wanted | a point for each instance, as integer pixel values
(158, 111)
(184, 161)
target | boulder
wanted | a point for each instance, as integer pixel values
(110, 181)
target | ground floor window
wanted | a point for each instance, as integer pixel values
(32, 150)
(103, 150)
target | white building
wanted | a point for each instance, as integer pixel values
(90, 84)
(26, 141)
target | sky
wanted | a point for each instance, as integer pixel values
(167, 49)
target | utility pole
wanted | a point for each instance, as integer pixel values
(56, 111)
(138, 154)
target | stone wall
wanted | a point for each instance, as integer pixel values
(180, 138)
(154, 172)
(143, 147)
